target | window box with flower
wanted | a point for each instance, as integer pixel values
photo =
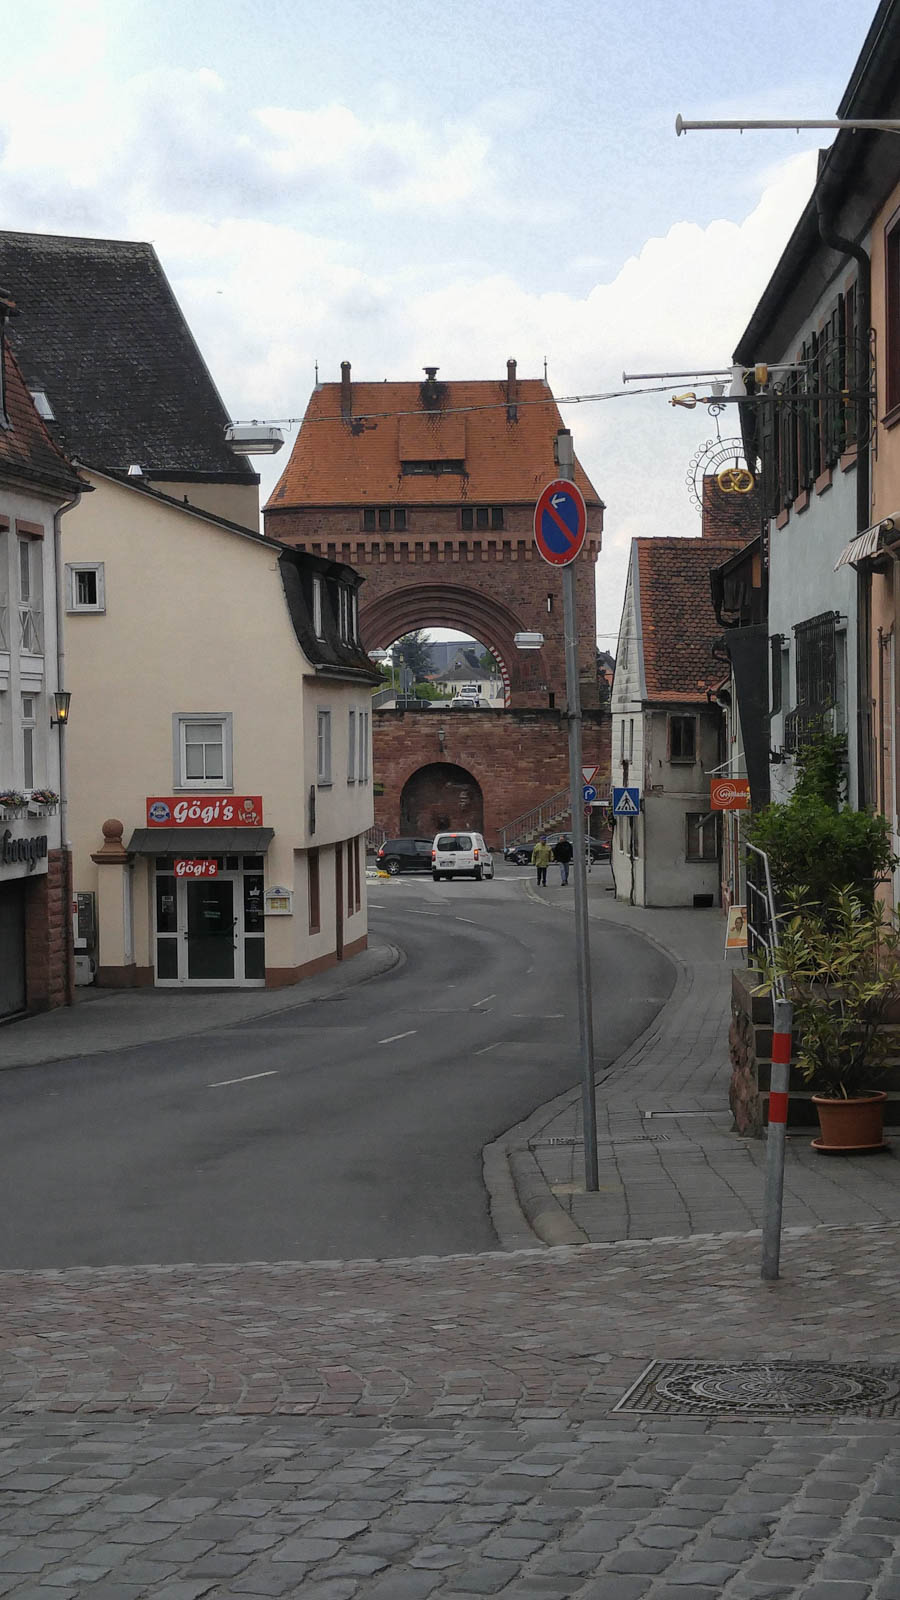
(43, 802)
(13, 803)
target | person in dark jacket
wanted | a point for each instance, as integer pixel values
(562, 852)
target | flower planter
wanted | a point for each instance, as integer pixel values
(850, 1126)
(36, 809)
(12, 813)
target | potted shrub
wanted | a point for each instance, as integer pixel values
(840, 963)
(12, 803)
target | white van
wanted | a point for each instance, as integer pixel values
(456, 855)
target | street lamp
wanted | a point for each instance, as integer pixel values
(61, 700)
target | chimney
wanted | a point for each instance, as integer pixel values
(431, 389)
(512, 392)
(346, 393)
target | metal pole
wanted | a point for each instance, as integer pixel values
(779, 1082)
(566, 462)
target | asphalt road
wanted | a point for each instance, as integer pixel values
(348, 1127)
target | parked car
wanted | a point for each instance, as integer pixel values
(456, 855)
(465, 702)
(520, 854)
(404, 855)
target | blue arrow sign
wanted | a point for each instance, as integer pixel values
(589, 793)
(626, 802)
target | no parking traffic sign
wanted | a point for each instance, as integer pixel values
(560, 522)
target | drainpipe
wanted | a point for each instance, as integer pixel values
(61, 740)
(836, 241)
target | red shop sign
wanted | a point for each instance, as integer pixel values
(729, 794)
(204, 811)
(196, 869)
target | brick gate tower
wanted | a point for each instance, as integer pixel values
(429, 490)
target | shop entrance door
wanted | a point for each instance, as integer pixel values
(12, 947)
(211, 930)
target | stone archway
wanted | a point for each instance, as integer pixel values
(490, 621)
(438, 796)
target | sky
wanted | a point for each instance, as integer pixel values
(399, 184)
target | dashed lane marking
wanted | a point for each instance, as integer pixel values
(394, 1036)
(223, 1083)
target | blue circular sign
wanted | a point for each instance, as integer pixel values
(560, 522)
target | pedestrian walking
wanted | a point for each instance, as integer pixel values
(541, 856)
(562, 853)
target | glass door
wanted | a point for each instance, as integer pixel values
(211, 936)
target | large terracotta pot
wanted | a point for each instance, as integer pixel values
(850, 1125)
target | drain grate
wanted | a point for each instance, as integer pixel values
(764, 1389)
(638, 1139)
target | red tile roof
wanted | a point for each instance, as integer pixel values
(26, 447)
(677, 620)
(336, 463)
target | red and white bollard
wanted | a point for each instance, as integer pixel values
(779, 1084)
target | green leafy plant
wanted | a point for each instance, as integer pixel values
(812, 841)
(840, 963)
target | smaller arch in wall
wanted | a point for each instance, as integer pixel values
(440, 795)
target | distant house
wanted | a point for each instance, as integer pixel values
(36, 485)
(667, 724)
(219, 742)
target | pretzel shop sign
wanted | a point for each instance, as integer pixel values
(729, 794)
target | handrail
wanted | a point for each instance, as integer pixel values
(762, 918)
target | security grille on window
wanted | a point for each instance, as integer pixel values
(85, 587)
(683, 739)
(323, 746)
(702, 836)
(817, 661)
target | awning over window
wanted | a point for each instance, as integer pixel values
(867, 544)
(200, 841)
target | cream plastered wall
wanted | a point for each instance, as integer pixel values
(238, 502)
(196, 621)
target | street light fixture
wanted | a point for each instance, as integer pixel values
(61, 700)
(528, 641)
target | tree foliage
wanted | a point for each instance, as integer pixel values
(415, 653)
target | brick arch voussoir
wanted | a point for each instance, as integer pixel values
(442, 606)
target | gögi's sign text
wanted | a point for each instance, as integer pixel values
(204, 811)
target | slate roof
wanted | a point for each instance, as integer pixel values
(336, 463)
(677, 621)
(100, 330)
(26, 448)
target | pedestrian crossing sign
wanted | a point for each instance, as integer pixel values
(626, 802)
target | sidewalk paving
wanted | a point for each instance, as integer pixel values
(668, 1161)
(118, 1019)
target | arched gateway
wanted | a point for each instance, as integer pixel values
(428, 489)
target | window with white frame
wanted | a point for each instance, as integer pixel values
(323, 746)
(317, 607)
(4, 585)
(31, 621)
(351, 744)
(364, 746)
(29, 733)
(344, 613)
(202, 750)
(85, 586)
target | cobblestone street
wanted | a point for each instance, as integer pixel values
(392, 1430)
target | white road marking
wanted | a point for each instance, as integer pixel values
(224, 1082)
(487, 1047)
(407, 1035)
(485, 1000)
(469, 920)
(539, 1016)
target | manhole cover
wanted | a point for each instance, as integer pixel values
(770, 1388)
